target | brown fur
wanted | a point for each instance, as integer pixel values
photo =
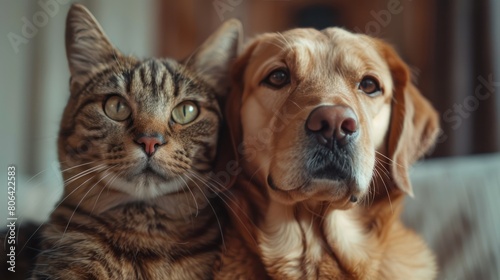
(127, 213)
(301, 227)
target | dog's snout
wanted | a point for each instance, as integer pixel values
(330, 123)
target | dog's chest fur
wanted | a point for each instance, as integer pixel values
(301, 242)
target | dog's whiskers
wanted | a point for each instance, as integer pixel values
(385, 185)
(390, 161)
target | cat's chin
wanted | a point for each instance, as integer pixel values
(147, 185)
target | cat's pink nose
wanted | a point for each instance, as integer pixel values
(150, 143)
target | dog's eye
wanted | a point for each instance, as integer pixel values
(369, 86)
(277, 78)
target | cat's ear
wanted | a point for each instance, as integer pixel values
(213, 59)
(87, 47)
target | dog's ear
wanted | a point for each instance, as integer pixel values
(230, 142)
(414, 122)
(234, 100)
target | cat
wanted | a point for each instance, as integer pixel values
(136, 146)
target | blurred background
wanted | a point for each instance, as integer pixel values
(452, 47)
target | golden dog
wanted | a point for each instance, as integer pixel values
(325, 125)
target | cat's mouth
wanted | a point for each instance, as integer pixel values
(147, 180)
(150, 172)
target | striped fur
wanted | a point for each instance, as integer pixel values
(124, 214)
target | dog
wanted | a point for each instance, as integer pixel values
(324, 126)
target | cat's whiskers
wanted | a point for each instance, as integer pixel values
(83, 173)
(210, 204)
(47, 169)
(56, 207)
(192, 194)
(220, 192)
(106, 186)
(20, 218)
(83, 198)
(186, 198)
(36, 175)
(76, 166)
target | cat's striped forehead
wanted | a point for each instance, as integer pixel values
(150, 82)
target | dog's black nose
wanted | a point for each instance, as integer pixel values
(336, 122)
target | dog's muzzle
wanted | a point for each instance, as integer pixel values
(333, 131)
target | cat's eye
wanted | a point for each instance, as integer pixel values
(277, 78)
(116, 108)
(185, 112)
(370, 86)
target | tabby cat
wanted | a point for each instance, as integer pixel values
(136, 146)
